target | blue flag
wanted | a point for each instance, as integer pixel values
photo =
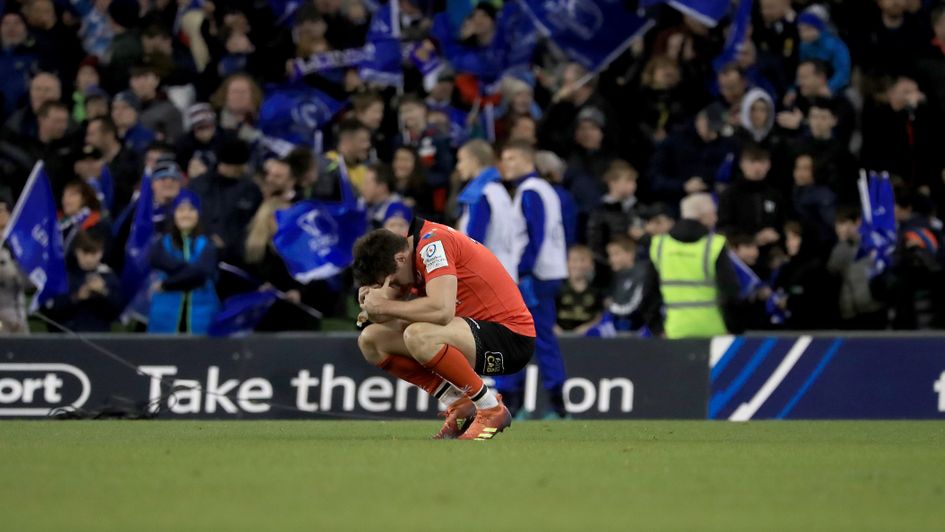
(34, 238)
(104, 189)
(878, 227)
(384, 66)
(315, 239)
(591, 32)
(294, 113)
(737, 35)
(748, 280)
(708, 12)
(137, 266)
(240, 314)
(604, 328)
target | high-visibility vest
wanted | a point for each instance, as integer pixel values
(687, 283)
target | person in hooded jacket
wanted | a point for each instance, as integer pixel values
(805, 291)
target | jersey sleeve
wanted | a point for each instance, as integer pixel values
(436, 257)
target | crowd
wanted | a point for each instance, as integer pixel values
(776, 133)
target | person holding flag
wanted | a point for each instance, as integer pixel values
(13, 283)
(34, 240)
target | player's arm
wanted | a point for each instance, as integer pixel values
(437, 306)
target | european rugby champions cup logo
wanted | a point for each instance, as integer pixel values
(322, 228)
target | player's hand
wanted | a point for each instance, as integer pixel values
(362, 293)
(375, 298)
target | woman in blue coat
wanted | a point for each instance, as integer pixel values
(185, 261)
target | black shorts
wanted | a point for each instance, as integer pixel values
(499, 351)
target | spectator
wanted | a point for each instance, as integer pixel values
(166, 183)
(818, 42)
(889, 39)
(915, 285)
(813, 203)
(756, 116)
(280, 181)
(13, 284)
(487, 214)
(57, 46)
(834, 165)
(96, 104)
(184, 299)
(87, 83)
(732, 87)
(858, 308)
(264, 262)
(625, 299)
(398, 219)
(930, 64)
(617, 214)
(776, 37)
(354, 145)
(229, 199)
(688, 161)
(807, 293)
(579, 303)
(125, 50)
(588, 162)
(698, 302)
(157, 113)
(577, 91)
(126, 113)
(410, 180)
(96, 32)
(94, 299)
(238, 100)
(542, 266)
(377, 195)
(518, 103)
(661, 100)
(750, 312)
(432, 145)
(196, 151)
(305, 169)
(81, 211)
(368, 108)
(752, 204)
(101, 134)
(17, 61)
(22, 124)
(50, 145)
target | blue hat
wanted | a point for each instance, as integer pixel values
(186, 196)
(398, 209)
(812, 19)
(166, 171)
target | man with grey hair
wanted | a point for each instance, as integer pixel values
(691, 276)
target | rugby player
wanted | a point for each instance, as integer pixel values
(444, 311)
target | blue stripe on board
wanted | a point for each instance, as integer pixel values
(726, 358)
(719, 400)
(828, 356)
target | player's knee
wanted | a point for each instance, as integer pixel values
(367, 342)
(418, 336)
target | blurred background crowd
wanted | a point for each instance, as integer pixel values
(239, 109)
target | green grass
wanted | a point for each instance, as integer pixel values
(321, 475)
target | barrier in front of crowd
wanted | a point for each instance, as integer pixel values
(323, 376)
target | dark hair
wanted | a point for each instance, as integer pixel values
(300, 161)
(624, 242)
(847, 213)
(417, 178)
(161, 146)
(45, 107)
(363, 100)
(374, 256)
(383, 175)
(408, 99)
(738, 238)
(177, 237)
(88, 242)
(936, 13)
(821, 68)
(107, 125)
(821, 102)
(755, 152)
(89, 197)
(351, 126)
(793, 226)
(619, 169)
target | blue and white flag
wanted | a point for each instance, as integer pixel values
(331, 60)
(385, 67)
(294, 113)
(708, 12)
(878, 226)
(604, 328)
(240, 314)
(137, 267)
(34, 239)
(104, 189)
(737, 35)
(590, 32)
(316, 239)
(748, 280)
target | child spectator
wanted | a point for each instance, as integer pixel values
(579, 302)
(629, 276)
(94, 300)
(185, 260)
(617, 213)
(81, 211)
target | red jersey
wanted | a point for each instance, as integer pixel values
(484, 290)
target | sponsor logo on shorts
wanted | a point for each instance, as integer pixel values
(495, 363)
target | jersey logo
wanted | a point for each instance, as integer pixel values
(434, 256)
(426, 236)
(494, 363)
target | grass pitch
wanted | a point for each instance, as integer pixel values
(321, 475)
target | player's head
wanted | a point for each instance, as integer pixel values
(381, 254)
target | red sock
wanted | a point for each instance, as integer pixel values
(451, 364)
(413, 372)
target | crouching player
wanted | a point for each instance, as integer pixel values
(467, 319)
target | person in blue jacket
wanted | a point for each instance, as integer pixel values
(818, 42)
(185, 261)
(541, 267)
